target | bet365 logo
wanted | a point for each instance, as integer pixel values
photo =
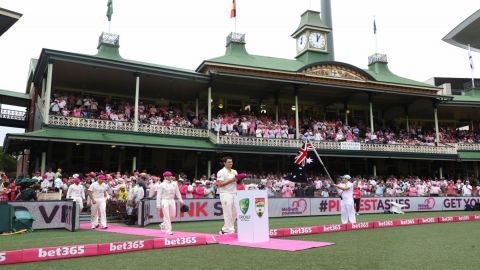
(244, 204)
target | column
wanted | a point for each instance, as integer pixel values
(407, 124)
(435, 114)
(137, 95)
(48, 92)
(209, 168)
(134, 164)
(370, 104)
(276, 108)
(209, 108)
(196, 106)
(43, 163)
(297, 124)
(440, 172)
(345, 109)
(374, 170)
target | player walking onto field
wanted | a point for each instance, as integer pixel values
(227, 188)
(166, 193)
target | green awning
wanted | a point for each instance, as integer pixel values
(15, 142)
(469, 155)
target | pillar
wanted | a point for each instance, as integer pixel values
(48, 93)
(435, 115)
(297, 124)
(440, 172)
(345, 109)
(209, 168)
(209, 108)
(137, 96)
(43, 163)
(134, 164)
(370, 104)
(407, 124)
(374, 170)
(276, 108)
(196, 106)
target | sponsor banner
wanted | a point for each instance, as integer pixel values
(331, 228)
(475, 217)
(427, 220)
(9, 257)
(277, 232)
(446, 219)
(405, 222)
(459, 203)
(50, 214)
(350, 146)
(288, 207)
(55, 253)
(169, 242)
(360, 226)
(200, 209)
(383, 224)
(298, 231)
(461, 218)
(211, 209)
(127, 246)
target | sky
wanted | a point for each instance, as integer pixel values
(183, 33)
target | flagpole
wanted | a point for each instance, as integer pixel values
(109, 26)
(320, 159)
(471, 65)
(375, 33)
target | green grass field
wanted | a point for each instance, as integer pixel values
(437, 246)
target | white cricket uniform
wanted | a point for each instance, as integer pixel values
(153, 189)
(77, 193)
(98, 194)
(166, 193)
(227, 198)
(346, 204)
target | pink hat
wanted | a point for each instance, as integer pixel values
(101, 177)
(167, 173)
(44, 176)
(76, 181)
(92, 174)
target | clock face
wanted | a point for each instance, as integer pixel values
(317, 40)
(301, 42)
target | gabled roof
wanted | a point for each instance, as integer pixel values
(7, 19)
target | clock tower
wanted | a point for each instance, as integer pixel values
(312, 38)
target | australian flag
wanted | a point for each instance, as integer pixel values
(305, 160)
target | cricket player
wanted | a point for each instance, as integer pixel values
(346, 205)
(166, 193)
(76, 192)
(227, 188)
(98, 197)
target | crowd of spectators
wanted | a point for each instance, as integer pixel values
(121, 110)
(251, 125)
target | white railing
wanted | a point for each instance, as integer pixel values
(169, 130)
(12, 114)
(251, 141)
(468, 146)
(64, 121)
(291, 143)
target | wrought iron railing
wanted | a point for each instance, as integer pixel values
(13, 114)
(250, 141)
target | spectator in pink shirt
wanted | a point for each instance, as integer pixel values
(287, 190)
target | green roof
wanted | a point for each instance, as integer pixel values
(14, 94)
(237, 55)
(382, 73)
(310, 19)
(75, 135)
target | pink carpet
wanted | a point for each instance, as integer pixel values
(150, 232)
(273, 243)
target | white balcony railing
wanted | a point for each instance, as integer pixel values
(290, 143)
(251, 141)
(65, 121)
(468, 146)
(169, 130)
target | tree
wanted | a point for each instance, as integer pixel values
(7, 162)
